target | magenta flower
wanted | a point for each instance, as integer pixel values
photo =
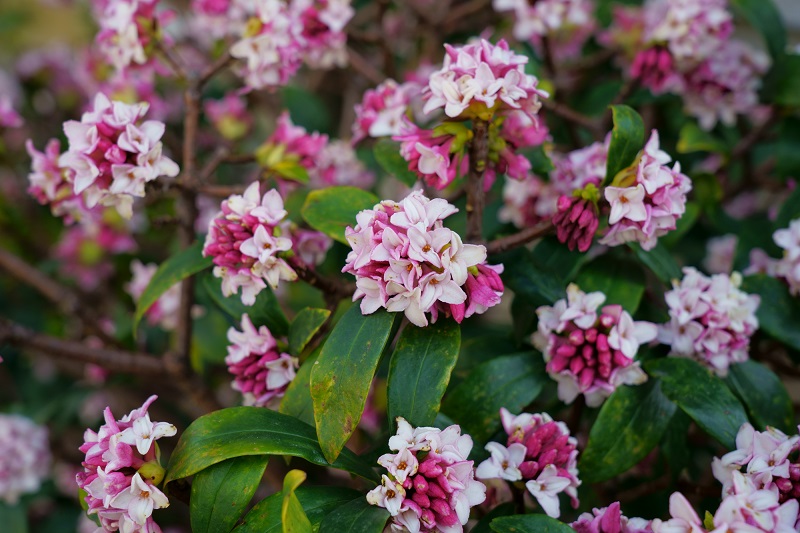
(609, 520)
(382, 109)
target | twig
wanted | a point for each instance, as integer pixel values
(569, 114)
(476, 197)
(362, 66)
(518, 239)
(219, 157)
(220, 191)
(172, 61)
(213, 69)
(755, 135)
(333, 289)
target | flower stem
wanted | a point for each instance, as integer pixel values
(476, 199)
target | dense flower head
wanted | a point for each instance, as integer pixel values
(430, 485)
(577, 219)
(121, 470)
(85, 251)
(609, 520)
(291, 150)
(382, 109)
(539, 451)
(404, 259)
(434, 156)
(113, 153)
(247, 242)
(590, 350)
(24, 457)
(164, 311)
(711, 319)
(646, 199)
(261, 372)
(323, 31)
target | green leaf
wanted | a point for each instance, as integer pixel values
(528, 524)
(293, 517)
(291, 170)
(627, 140)
(510, 381)
(178, 267)
(787, 163)
(693, 139)
(332, 209)
(659, 260)
(221, 492)
(297, 401)
(621, 281)
(387, 154)
(304, 326)
(526, 276)
(307, 109)
(629, 425)
(242, 431)
(265, 312)
(357, 516)
(317, 502)
(790, 210)
(702, 396)
(763, 394)
(779, 312)
(764, 17)
(484, 525)
(14, 518)
(420, 371)
(783, 81)
(342, 375)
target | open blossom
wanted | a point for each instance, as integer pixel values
(323, 31)
(24, 457)
(711, 319)
(113, 153)
(261, 373)
(540, 452)
(404, 259)
(646, 199)
(430, 484)
(590, 350)
(382, 109)
(609, 520)
(165, 311)
(246, 241)
(121, 471)
(129, 30)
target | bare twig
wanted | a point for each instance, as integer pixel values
(476, 197)
(363, 67)
(519, 239)
(173, 62)
(214, 69)
(219, 157)
(333, 289)
(220, 191)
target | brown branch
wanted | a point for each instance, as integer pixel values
(214, 69)
(333, 289)
(464, 10)
(219, 156)
(476, 197)
(516, 240)
(172, 61)
(363, 67)
(220, 191)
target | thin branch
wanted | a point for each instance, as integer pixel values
(173, 62)
(755, 135)
(214, 69)
(476, 197)
(570, 115)
(220, 191)
(219, 156)
(363, 67)
(519, 239)
(333, 289)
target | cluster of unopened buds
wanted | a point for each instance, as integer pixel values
(590, 350)
(404, 259)
(787, 268)
(482, 82)
(540, 452)
(711, 319)
(260, 371)
(24, 457)
(122, 471)
(430, 485)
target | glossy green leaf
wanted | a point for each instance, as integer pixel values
(484, 524)
(343, 372)
(307, 109)
(621, 281)
(528, 524)
(293, 517)
(297, 400)
(178, 267)
(766, 18)
(629, 425)
(529, 279)
(221, 492)
(627, 140)
(783, 82)
(694, 139)
(291, 170)
(317, 502)
(420, 371)
(510, 381)
(387, 154)
(659, 260)
(266, 311)
(304, 326)
(357, 516)
(702, 396)
(332, 209)
(763, 393)
(242, 431)
(779, 312)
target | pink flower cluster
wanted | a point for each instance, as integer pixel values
(787, 267)
(539, 451)
(24, 457)
(112, 154)
(589, 352)
(122, 471)
(246, 241)
(711, 319)
(290, 150)
(84, 252)
(404, 259)
(430, 486)
(382, 110)
(647, 199)
(49, 185)
(609, 520)
(165, 311)
(282, 35)
(260, 372)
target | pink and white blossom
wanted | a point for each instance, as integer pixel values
(609, 520)
(24, 457)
